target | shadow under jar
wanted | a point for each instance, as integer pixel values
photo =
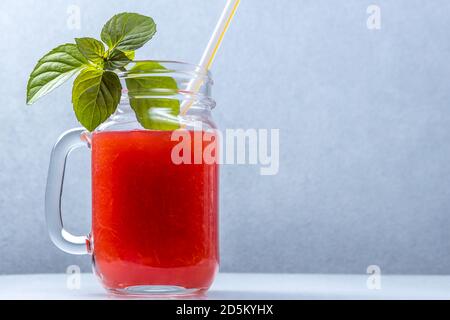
(154, 192)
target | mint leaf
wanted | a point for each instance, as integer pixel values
(95, 96)
(128, 31)
(118, 59)
(158, 113)
(91, 49)
(53, 70)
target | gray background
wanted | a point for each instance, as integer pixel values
(364, 118)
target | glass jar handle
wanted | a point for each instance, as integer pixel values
(64, 240)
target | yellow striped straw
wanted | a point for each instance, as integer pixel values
(212, 48)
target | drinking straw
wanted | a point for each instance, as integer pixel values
(212, 48)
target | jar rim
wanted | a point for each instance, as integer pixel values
(183, 73)
(171, 66)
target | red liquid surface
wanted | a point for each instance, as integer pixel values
(154, 222)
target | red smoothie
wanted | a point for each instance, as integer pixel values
(154, 222)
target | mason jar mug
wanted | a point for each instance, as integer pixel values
(154, 199)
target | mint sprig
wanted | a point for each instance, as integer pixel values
(97, 89)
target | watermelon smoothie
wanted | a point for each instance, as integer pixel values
(155, 223)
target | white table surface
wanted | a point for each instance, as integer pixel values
(245, 286)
